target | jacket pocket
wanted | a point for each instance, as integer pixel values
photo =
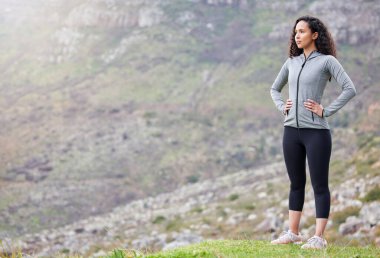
(289, 116)
(305, 115)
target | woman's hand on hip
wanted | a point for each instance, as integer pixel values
(314, 107)
(288, 105)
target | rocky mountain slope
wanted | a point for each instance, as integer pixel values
(233, 206)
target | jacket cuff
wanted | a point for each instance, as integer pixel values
(326, 113)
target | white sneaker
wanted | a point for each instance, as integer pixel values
(287, 237)
(315, 242)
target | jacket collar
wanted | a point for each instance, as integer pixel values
(313, 54)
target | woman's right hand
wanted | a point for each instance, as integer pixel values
(288, 105)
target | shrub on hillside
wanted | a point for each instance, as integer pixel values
(372, 195)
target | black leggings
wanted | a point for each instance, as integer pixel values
(316, 145)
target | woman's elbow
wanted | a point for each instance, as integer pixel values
(353, 91)
(350, 89)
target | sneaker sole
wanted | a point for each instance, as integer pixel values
(296, 243)
(314, 248)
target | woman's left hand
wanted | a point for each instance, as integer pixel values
(314, 107)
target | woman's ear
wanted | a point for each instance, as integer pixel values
(315, 35)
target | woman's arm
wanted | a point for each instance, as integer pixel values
(278, 84)
(348, 88)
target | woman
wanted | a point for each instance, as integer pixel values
(311, 62)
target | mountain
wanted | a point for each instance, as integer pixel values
(107, 102)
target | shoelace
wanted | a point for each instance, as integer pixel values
(285, 233)
(314, 239)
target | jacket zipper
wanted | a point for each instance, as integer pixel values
(298, 80)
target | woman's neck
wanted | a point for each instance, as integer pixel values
(307, 51)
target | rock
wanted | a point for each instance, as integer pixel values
(344, 27)
(142, 242)
(329, 224)
(175, 244)
(205, 226)
(227, 210)
(310, 231)
(371, 213)
(346, 203)
(269, 224)
(235, 218)
(262, 195)
(223, 2)
(252, 216)
(100, 253)
(303, 221)
(351, 225)
(284, 203)
(181, 239)
(149, 16)
(309, 208)
(185, 17)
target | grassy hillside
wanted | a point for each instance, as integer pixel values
(257, 248)
(237, 248)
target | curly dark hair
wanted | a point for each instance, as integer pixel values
(324, 43)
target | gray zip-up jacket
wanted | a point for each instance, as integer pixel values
(307, 80)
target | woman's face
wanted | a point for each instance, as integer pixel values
(304, 37)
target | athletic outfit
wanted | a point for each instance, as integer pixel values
(306, 134)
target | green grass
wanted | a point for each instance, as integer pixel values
(367, 155)
(237, 248)
(372, 195)
(251, 248)
(159, 219)
(340, 217)
(233, 197)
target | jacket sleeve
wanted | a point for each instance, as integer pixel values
(348, 88)
(278, 84)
